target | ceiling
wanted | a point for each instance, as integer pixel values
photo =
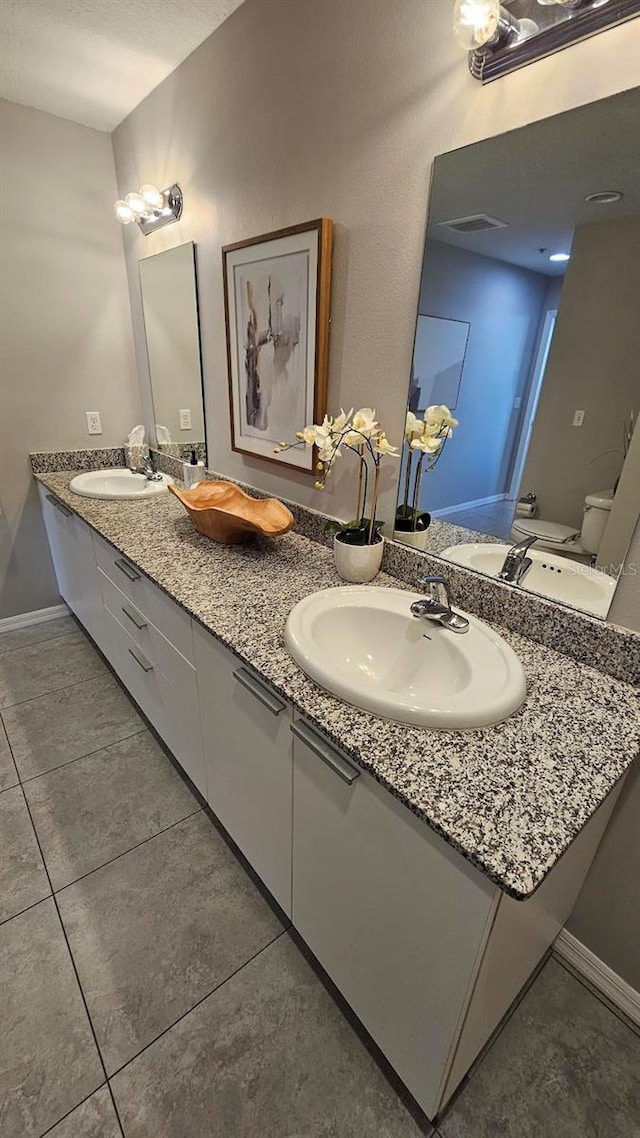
(93, 61)
(536, 180)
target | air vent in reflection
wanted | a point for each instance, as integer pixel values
(477, 223)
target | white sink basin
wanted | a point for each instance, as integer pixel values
(555, 577)
(117, 484)
(362, 644)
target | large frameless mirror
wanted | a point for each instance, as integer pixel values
(525, 381)
(170, 307)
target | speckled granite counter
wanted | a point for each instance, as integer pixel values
(510, 798)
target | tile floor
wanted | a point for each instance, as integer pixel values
(495, 518)
(149, 989)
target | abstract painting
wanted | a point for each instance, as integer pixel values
(277, 321)
(438, 360)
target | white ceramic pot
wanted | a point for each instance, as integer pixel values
(416, 538)
(357, 563)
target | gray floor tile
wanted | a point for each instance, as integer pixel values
(94, 1118)
(40, 668)
(53, 729)
(94, 809)
(8, 772)
(23, 880)
(564, 1065)
(36, 633)
(48, 1058)
(159, 928)
(267, 1054)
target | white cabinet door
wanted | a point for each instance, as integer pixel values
(248, 762)
(71, 544)
(394, 915)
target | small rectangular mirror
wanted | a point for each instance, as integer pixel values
(170, 308)
(525, 382)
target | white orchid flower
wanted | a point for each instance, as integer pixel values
(413, 427)
(381, 445)
(427, 444)
(307, 435)
(439, 413)
(341, 421)
(364, 421)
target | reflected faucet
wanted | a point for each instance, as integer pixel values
(435, 605)
(516, 564)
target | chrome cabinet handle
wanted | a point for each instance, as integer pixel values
(127, 570)
(141, 660)
(315, 742)
(259, 690)
(59, 506)
(134, 617)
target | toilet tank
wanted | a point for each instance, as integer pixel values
(597, 508)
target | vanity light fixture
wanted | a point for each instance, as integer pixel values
(560, 257)
(150, 208)
(499, 41)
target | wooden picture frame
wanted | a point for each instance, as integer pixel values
(276, 302)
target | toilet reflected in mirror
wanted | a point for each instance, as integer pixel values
(527, 334)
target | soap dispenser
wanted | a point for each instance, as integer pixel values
(192, 471)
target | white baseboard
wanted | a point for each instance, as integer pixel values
(621, 994)
(475, 504)
(9, 623)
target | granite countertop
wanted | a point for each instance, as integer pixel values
(510, 798)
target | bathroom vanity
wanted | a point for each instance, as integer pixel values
(428, 872)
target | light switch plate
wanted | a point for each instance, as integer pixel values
(185, 420)
(578, 418)
(94, 422)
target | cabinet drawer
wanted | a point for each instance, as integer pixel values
(248, 762)
(154, 645)
(175, 721)
(167, 616)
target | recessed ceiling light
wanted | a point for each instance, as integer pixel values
(560, 257)
(605, 197)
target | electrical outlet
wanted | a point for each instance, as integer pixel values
(578, 418)
(185, 420)
(94, 422)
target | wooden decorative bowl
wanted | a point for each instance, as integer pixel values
(223, 512)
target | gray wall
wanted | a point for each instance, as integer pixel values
(290, 111)
(65, 327)
(593, 365)
(607, 914)
(504, 305)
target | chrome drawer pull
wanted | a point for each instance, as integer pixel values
(266, 697)
(127, 570)
(59, 506)
(325, 751)
(134, 617)
(141, 660)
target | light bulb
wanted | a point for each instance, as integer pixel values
(152, 196)
(475, 22)
(137, 204)
(123, 212)
(560, 257)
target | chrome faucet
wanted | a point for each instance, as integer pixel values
(435, 605)
(516, 564)
(146, 468)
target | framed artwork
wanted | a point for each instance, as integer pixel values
(438, 360)
(276, 293)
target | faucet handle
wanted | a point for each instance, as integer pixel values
(436, 588)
